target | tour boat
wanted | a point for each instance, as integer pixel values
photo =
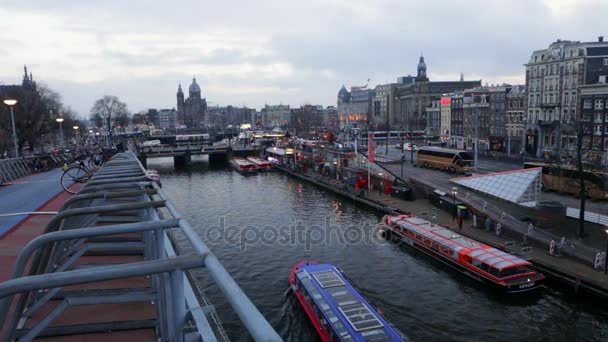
(263, 165)
(484, 263)
(244, 166)
(337, 311)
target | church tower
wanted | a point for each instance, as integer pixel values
(421, 77)
(180, 104)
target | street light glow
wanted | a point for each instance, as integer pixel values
(10, 102)
(75, 127)
(59, 119)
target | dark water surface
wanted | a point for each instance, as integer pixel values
(427, 301)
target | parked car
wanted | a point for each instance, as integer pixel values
(410, 147)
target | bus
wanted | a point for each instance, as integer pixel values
(566, 179)
(454, 161)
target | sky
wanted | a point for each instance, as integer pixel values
(256, 52)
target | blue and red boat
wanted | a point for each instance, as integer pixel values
(337, 311)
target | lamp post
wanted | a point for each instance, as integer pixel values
(76, 134)
(454, 193)
(606, 255)
(60, 120)
(10, 103)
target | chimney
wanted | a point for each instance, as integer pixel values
(600, 39)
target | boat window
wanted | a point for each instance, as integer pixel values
(513, 271)
(494, 271)
(485, 267)
(476, 262)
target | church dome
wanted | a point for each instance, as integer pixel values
(194, 86)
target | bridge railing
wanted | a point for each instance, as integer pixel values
(44, 267)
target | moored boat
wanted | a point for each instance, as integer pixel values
(263, 165)
(244, 166)
(484, 263)
(337, 311)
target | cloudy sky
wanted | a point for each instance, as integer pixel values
(278, 51)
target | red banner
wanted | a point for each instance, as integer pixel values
(370, 148)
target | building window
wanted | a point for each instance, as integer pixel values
(599, 104)
(587, 104)
(605, 61)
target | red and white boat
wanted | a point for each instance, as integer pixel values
(481, 262)
(244, 166)
(263, 165)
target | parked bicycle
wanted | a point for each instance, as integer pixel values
(86, 166)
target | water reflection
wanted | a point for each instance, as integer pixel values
(425, 299)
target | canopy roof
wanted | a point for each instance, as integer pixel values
(518, 186)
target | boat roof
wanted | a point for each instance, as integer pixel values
(350, 315)
(242, 161)
(461, 244)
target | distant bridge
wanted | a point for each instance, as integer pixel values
(182, 155)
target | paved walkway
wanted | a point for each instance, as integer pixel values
(26, 195)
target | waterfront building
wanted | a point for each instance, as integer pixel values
(433, 120)
(191, 111)
(382, 107)
(412, 99)
(457, 120)
(445, 105)
(554, 77)
(306, 118)
(329, 117)
(593, 105)
(516, 118)
(276, 115)
(166, 118)
(355, 106)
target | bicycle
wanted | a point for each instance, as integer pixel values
(81, 172)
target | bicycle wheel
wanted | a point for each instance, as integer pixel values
(74, 174)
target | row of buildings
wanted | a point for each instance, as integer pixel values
(193, 112)
(564, 98)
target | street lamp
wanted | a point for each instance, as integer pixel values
(606, 255)
(454, 193)
(11, 103)
(60, 120)
(76, 133)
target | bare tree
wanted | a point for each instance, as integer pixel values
(108, 108)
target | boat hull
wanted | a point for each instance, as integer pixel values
(307, 308)
(509, 289)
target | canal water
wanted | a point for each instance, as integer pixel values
(260, 226)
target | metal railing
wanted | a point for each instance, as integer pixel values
(120, 200)
(14, 168)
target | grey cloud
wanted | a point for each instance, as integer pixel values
(354, 39)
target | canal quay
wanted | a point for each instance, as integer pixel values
(253, 223)
(224, 229)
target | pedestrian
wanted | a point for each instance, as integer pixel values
(459, 221)
(488, 224)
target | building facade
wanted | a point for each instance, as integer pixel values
(191, 111)
(593, 106)
(276, 115)
(167, 118)
(445, 105)
(553, 78)
(354, 107)
(412, 100)
(476, 118)
(383, 114)
(433, 120)
(457, 120)
(516, 119)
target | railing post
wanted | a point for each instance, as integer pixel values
(179, 304)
